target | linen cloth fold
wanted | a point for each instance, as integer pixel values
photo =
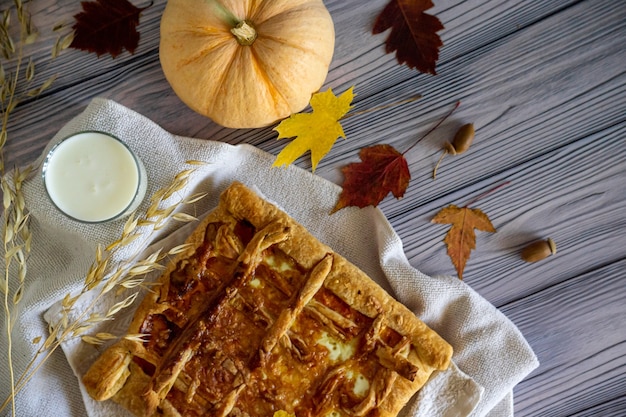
(490, 354)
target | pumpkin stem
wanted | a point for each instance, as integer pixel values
(244, 33)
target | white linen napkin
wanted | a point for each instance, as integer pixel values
(490, 355)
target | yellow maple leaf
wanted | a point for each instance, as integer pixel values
(316, 131)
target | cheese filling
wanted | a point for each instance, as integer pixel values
(339, 351)
(279, 267)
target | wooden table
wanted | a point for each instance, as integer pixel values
(544, 82)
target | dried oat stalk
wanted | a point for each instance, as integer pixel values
(105, 276)
(17, 74)
(17, 241)
(18, 81)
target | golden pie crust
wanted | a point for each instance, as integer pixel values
(259, 316)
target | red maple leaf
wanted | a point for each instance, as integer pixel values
(107, 26)
(413, 33)
(383, 170)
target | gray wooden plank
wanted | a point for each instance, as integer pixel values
(528, 143)
(72, 66)
(574, 194)
(545, 84)
(576, 330)
(359, 58)
(613, 408)
(469, 24)
(149, 92)
(535, 90)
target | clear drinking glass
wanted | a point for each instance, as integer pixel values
(94, 177)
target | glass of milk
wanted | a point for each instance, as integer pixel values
(94, 177)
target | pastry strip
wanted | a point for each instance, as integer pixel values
(259, 316)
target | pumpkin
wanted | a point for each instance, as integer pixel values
(246, 63)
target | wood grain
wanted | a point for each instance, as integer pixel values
(544, 82)
(580, 369)
(573, 194)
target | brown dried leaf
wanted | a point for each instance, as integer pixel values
(413, 33)
(461, 239)
(107, 27)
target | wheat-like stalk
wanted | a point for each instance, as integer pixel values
(22, 73)
(17, 245)
(15, 231)
(103, 277)
(17, 78)
(17, 82)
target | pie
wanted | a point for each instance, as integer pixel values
(258, 316)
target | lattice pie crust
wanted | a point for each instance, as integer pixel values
(259, 316)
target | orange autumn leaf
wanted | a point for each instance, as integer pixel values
(382, 170)
(461, 239)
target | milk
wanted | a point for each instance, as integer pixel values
(93, 177)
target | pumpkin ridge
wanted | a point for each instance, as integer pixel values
(236, 56)
(262, 24)
(276, 93)
(258, 10)
(205, 51)
(239, 87)
(291, 45)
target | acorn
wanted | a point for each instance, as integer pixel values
(462, 141)
(538, 250)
